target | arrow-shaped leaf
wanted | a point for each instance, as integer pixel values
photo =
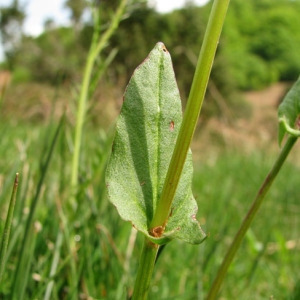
(289, 113)
(146, 133)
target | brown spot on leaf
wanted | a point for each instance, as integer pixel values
(164, 49)
(172, 125)
(157, 231)
(142, 183)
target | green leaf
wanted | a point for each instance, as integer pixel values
(289, 113)
(146, 133)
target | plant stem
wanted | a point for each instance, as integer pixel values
(249, 217)
(145, 270)
(6, 231)
(54, 265)
(185, 135)
(95, 49)
(193, 108)
(24, 258)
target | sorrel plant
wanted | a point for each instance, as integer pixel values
(150, 170)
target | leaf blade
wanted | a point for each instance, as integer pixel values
(146, 133)
(288, 113)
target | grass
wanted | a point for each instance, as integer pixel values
(87, 253)
(258, 268)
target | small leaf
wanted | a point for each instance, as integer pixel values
(146, 133)
(289, 113)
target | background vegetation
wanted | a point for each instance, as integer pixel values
(259, 46)
(260, 38)
(90, 252)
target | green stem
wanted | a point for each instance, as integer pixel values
(289, 129)
(80, 118)
(249, 217)
(6, 232)
(24, 258)
(193, 108)
(95, 49)
(145, 270)
(54, 265)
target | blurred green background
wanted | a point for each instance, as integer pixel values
(90, 250)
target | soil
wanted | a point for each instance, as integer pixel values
(258, 131)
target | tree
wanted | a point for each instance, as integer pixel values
(11, 23)
(77, 8)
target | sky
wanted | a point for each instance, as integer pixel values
(37, 11)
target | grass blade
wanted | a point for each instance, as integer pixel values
(96, 47)
(249, 218)
(54, 265)
(23, 263)
(6, 232)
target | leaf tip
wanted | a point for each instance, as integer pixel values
(161, 46)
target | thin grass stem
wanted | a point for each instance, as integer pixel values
(7, 227)
(54, 265)
(95, 49)
(213, 293)
(193, 108)
(24, 259)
